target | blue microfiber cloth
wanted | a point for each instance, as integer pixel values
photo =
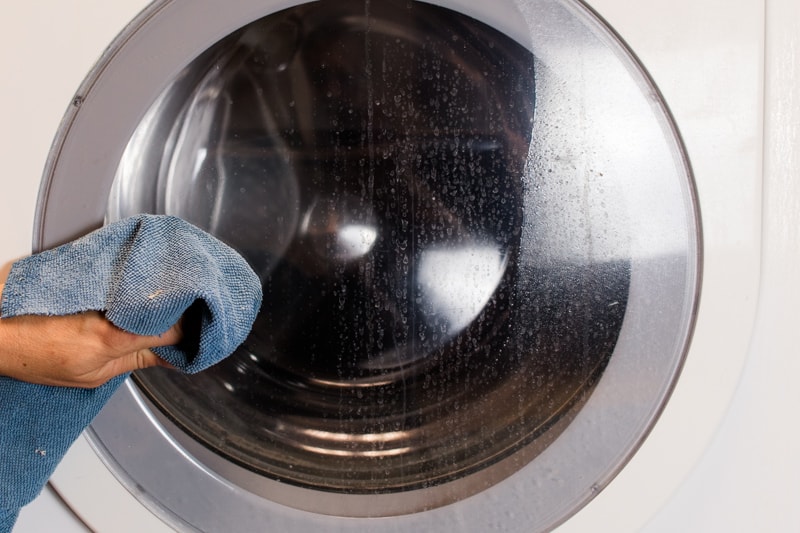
(144, 272)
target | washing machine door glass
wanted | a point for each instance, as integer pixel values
(371, 168)
(477, 237)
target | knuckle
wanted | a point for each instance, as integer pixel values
(144, 359)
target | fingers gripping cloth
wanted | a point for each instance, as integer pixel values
(144, 272)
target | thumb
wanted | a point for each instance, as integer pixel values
(170, 337)
(137, 360)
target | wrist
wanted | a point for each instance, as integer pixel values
(6, 340)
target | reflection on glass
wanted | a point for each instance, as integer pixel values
(457, 284)
(371, 166)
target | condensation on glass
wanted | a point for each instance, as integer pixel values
(435, 299)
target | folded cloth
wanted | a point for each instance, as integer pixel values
(8, 519)
(144, 273)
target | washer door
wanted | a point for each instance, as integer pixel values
(478, 240)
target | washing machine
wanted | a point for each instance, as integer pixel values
(528, 265)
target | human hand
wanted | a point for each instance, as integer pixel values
(81, 350)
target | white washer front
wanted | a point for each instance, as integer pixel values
(707, 59)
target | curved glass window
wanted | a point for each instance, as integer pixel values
(438, 293)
